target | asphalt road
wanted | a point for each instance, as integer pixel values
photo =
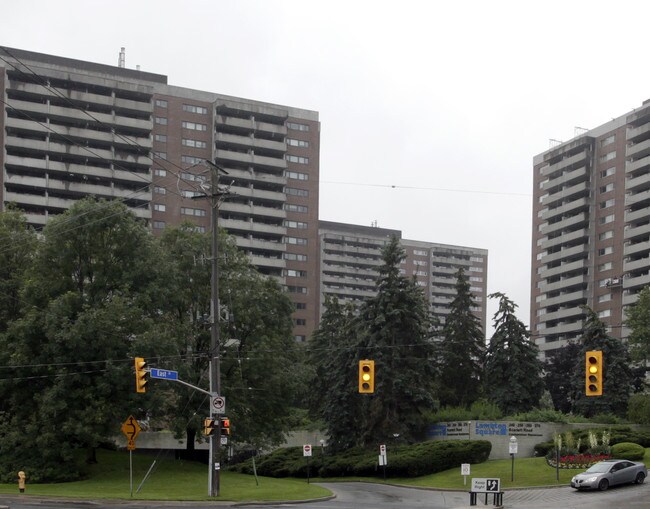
(378, 496)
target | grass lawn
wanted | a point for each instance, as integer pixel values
(186, 480)
(170, 480)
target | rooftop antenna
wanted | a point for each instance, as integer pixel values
(373, 224)
(121, 61)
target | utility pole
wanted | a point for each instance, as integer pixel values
(215, 347)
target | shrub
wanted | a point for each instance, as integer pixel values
(403, 461)
(628, 451)
(638, 408)
(538, 415)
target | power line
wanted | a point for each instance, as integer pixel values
(423, 188)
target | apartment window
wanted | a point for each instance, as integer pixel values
(296, 273)
(297, 127)
(296, 289)
(608, 172)
(159, 225)
(188, 211)
(295, 224)
(605, 251)
(607, 188)
(421, 283)
(297, 159)
(194, 126)
(159, 190)
(297, 143)
(199, 229)
(295, 257)
(161, 120)
(421, 263)
(301, 305)
(161, 103)
(190, 194)
(476, 278)
(300, 338)
(607, 219)
(295, 240)
(608, 141)
(605, 298)
(607, 203)
(419, 252)
(476, 269)
(603, 283)
(190, 108)
(420, 273)
(608, 157)
(296, 175)
(190, 177)
(187, 142)
(605, 266)
(476, 259)
(160, 155)
(476, 289)
(301, 321)
(604, 313)
(159, 172)
(159, 207)
(606, 235)
(162, 138)
(296, 192)
(191, 160)
(290, 207)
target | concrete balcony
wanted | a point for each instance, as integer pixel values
(637, 164)
(630, 299)
(73, 95)
(250, 159)
(443, 271)
(637, 214)
(578, 298)
(565, 223)
(447, 260)
(248, 124)
(565, 253)
(346, 280)
(640, 264)
(348, 250)
(564, 268)
(371, 262)
(636, 182)
(253, 210)
(565, 239)
(564, 328)
(639, 247)
(563, 283)
(442, 290)
(129, 104)
(568, 176)
(369, 272)
(245, 175)
(347, 293)
(264, 261)
(564, 194)
(438, 280)
(252, 226)
(638, 150)
(260, 194)
(563, 314)
(568, 162)
(576, 206)
(636, 132)
(637, 231)
(250, 142)
(247, 243)
(636, 281)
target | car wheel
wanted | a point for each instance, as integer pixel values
(603, 484)
(639, 478)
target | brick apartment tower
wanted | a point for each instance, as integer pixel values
(591, 228)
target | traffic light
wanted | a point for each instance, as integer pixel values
(141, 375)
(366, 376)
(208, 426)
(225, 426)
(594, 373)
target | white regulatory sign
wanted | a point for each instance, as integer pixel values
(306, 450)
(218, 405)
(464, 469)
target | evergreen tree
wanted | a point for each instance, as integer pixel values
(638, 320)
(512, 369)
(559, 374)
(394, 330)
(462, 350)
(617, 374)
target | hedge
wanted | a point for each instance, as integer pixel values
(628, 451)
(403, 461)
(619, 434)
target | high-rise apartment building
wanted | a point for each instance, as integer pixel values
(351, 254)
(72, 128)
(591, 228)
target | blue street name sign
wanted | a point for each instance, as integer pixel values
(163, 373)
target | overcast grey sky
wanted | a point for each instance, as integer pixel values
(446, 101)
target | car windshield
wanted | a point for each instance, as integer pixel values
(598, 468)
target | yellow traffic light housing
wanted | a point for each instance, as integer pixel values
(594, 373)
(141, 375)
(208, 426)
(366, 376)
(225, 426)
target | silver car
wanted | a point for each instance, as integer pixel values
(608, 473)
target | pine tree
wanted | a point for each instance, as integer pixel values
(462, 350)
(512, 368)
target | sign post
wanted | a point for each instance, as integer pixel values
(131, 428)
(306, 452)
(465, 471)
(512, 449)
(383, 459)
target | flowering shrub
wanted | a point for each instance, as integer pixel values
(581, 461)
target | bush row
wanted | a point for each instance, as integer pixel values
(619, 434)
(403, 461)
